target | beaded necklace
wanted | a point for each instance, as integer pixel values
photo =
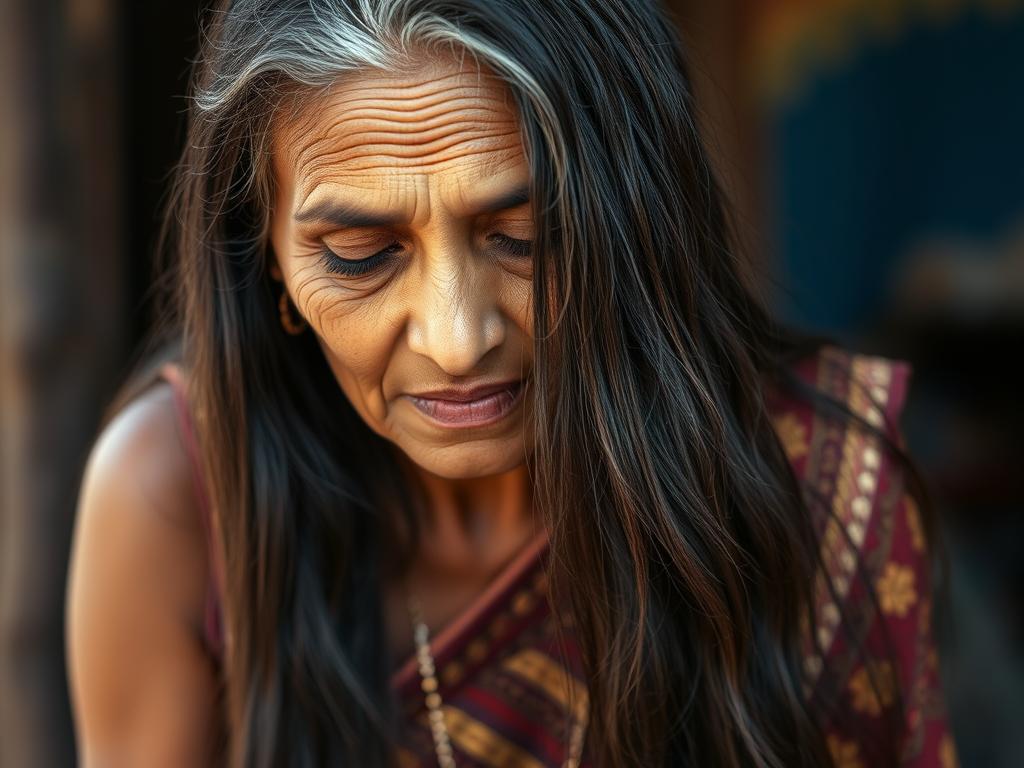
(432, 695)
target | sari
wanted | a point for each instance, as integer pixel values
(512, 684)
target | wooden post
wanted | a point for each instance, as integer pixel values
(716, 34)
(61, 335)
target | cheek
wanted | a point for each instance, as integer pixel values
(516, 301)
(358, 340)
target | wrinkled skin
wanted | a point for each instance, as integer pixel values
(427, 150)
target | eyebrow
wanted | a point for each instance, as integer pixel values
(347, 215)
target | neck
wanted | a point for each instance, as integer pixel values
(471, 526)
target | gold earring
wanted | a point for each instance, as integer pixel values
(291, 326)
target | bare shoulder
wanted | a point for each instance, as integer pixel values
(147, 428)
(141, 682)
(138, 490)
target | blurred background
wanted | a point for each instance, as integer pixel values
(874, 152)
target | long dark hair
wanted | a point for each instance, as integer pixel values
(665, 489)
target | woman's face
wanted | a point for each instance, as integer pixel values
(402, 230)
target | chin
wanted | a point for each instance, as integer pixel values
(468, 460)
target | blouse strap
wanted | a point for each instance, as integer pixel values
(212, 619)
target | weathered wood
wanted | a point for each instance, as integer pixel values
(61, 330)
(717, 38)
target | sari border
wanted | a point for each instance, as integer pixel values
(853, 479)
(446, 643)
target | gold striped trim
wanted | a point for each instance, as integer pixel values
(853, 500)
(553, 678)
(483, 744)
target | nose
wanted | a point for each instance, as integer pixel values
(456, 319)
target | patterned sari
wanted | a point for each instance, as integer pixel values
(513, 689)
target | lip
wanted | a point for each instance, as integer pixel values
(467, 394)
(476, 406)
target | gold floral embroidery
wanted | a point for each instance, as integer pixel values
(523, 602)
(793, 435)
(452, 673)
(476, 650)
(947, 753)
(914, 524)
(873, 688)
(845, 754)
(896, 592)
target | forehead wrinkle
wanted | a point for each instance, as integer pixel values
(430, 151)
(342, 166)
(443, 73)
(354, 130)
(482, 167)
(309, 120)
(444, 100)
(355, 133)
(396, 107)
(411, 102)
(368, 130)
(464, 106)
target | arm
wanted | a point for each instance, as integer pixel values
(143, 690)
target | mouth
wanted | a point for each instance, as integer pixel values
(478, 408)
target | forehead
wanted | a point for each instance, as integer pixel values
(384, 130)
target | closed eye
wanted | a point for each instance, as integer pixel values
(339, 265)
(513, 245)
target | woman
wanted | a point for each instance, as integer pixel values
(480, 423)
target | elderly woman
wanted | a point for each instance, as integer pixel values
(471, 444)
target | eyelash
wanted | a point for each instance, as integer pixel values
(515, 246)
(335, 264)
